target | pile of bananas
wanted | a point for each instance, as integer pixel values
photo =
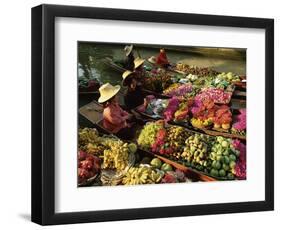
(116, 156)
(94, 149)
(86, 136)
(196, 150)
(141, 175)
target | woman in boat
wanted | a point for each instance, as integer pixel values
(139, 70)
(115, 119)
(134, 95)
(129, 61)
(162, 59)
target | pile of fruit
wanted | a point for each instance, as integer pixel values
(218, 96)
(215, 156)
(148, 134)
(223, 158)
(141, 175)
(223, 81)
(88, 166)
(171, 88)
(90, 141)
(217, 159)
(157, 83)
(195, 70)
(106, 152)
(229, 77)
(178, 90)
(196, 150)
(162, 140)
(116, 154)
(206, 113)
(222, 118)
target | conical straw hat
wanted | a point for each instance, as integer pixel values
(128, 50)
(107, 91)
(138, 61)
(125, 76)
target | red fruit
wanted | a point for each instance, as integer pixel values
(83, 173)
(90, 157)
(168, 178)
(82, 155)
(86, 164)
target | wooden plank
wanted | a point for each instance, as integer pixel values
(239, 93)
(92, 111)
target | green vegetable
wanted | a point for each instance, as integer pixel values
(232, 157)
(222, 173)
(226, 159)
(214, 172)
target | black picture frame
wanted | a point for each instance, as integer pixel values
(43, 110)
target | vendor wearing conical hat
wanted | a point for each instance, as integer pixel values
(129, 60)
(114, 117)
(134, 96)
(139, 69)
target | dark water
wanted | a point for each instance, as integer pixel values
(92, 54)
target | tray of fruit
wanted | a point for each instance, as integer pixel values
(202, 154)
(157, 171)
(205, 117)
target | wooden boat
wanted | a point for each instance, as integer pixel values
(93, 113)
(188, 171)
(238, 103)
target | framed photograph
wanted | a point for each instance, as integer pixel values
(142, 114)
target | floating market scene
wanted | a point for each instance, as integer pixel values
(156, 114)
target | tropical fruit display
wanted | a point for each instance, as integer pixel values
(189, 125)
(214, 156)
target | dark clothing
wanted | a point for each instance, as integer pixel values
(129, 62)
(134, 98)
(126, 133)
